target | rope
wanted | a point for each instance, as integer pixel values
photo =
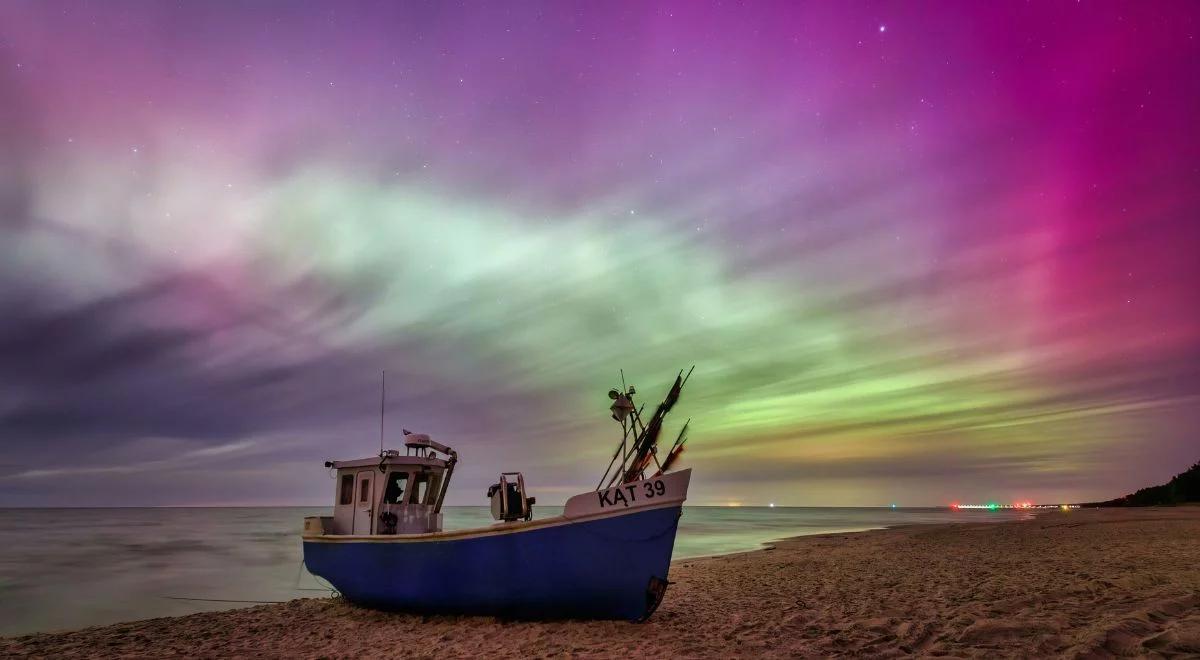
(316, 578)
(325, 586)
(224, 600)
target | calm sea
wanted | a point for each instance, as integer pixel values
(71, 568)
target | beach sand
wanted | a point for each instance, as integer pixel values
(1093, 583)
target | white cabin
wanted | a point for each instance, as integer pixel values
(391, 493)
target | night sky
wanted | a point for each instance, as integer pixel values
(918, 252)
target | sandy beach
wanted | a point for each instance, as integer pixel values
(1090, 583)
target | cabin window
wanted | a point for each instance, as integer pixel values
(347, 495)
(364, 491)
(395, 488)
(420, 486)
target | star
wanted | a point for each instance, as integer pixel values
(883, 28)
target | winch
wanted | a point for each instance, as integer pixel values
(509, 501)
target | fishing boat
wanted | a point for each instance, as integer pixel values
(607, 556)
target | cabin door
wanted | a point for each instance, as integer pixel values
(364, 503)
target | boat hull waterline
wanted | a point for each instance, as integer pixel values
(606, 557)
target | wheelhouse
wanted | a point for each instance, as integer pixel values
(392, 493)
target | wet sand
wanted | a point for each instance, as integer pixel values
(1092, 583)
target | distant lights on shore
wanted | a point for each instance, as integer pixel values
(992, 506)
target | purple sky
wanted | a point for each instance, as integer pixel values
(918, 252)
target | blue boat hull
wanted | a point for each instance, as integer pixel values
(600, 568)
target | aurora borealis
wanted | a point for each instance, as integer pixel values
(917, 253)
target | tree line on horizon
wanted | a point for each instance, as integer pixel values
(1181, 489)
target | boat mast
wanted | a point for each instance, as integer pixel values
(382, 399)
(637, 456)
(622, 408)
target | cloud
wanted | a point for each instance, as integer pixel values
(191, 459)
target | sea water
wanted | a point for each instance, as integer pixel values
(62, 569)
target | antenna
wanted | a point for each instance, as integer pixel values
(382, 399)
